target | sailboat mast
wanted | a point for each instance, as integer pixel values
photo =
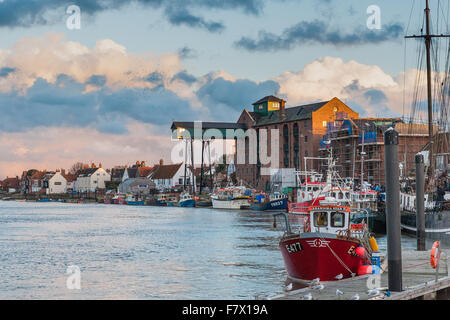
(430, 101)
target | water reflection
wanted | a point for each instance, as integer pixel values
(127, 252)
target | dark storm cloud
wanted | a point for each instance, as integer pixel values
(318, 32)
(65, 104)
(15, 13)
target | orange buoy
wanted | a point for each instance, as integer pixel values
(364, 269)
(360, 251)
(435, 254)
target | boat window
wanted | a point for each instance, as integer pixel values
(320, 219)
(337, 219)
(341, 195)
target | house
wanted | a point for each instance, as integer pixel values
(137, 186)
(11, 185)
(170, 176)
(36, 182)
(91, 179)
(71, 181)
(56, 183)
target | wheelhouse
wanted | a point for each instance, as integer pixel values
(329, 219)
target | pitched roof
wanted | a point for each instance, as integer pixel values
(292, 114)
(87, 172)
(70, 177)
(144, 171)
(166, 171)
(132, 172)
(38, 175)
(268, 98)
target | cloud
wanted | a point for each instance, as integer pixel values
(187, 53)
(97, 80)
(318, 32)
(227, 98)
(184, 76)
(5, 71)
(17, 13)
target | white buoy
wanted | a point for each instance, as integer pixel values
(339, 292)
(315, 281)
(289, 287)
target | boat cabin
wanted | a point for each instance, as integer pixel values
(328, 219)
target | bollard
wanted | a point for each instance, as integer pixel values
(394, 247)
(420, 205)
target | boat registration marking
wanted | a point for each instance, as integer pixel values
(294, 247)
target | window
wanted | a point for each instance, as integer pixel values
(57, 183)
(337, 219)
(320, 219)
(306, 138)
(324, 124)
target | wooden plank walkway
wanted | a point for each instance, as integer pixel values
(418, 279)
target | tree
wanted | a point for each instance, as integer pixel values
(76, 167)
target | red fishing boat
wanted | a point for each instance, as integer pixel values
(326, 246)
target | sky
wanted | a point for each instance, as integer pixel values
(108, 89)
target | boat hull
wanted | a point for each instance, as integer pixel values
(187, 203)
(437, 225)
(274, 205)
(308, 256)
(234, 204)
(135, 203)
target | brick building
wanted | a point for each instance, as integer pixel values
(300, 131)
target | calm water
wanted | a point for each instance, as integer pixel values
(127, 252)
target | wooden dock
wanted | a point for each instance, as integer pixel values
(418, 278)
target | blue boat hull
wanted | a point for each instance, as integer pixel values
(187, 203)
(275, 205)
(135, 203)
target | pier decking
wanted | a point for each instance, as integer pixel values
(419, 282)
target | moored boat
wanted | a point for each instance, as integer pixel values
(327, 245)
(186, 200)
(275, 202)
(231, 198)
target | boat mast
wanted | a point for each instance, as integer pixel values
(427, 37)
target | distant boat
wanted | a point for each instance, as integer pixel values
(186, 200)
(276, 202)
(231, 198)
(44, 200)
(131, 200)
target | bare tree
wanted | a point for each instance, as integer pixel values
(76, 167)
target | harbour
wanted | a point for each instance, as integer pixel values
(142, 252)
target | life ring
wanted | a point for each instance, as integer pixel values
(435, 255)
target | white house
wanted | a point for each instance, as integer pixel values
(92, 179)
(57, 184)
(169, 176)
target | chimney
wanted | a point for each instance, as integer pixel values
(282, 110)
(161, 162)
(100, 165)
(63, 171)
(93, 165)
